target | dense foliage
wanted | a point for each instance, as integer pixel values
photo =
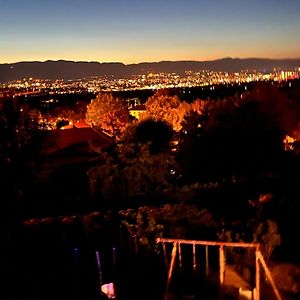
(108, 114)
(163, 106)
(140, 163)
(19, 149)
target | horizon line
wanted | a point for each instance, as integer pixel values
(144, 62)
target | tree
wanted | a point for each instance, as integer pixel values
(19, 147)
(108, 113)
(156, 133)
(72, 113)
(147, 223)
(198, 106)
(163, 106)
(19, 143)
(237, 137)
(141, 163)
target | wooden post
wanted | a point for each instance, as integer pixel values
(114, 256)
(172, 264)
(206, 261)
(194, 258)
(180, 256)
(269, 276)
(257, 276)
(98, 259)
(165, 254)
(76, 272)
(222, 269)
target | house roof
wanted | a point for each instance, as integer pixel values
(61, 139)
(70, 147)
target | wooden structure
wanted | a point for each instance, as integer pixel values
(259, 262)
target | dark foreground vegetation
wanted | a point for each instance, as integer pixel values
(225, 169)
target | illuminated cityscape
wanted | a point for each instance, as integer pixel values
(152, 81)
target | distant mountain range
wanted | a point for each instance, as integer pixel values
(62, 69)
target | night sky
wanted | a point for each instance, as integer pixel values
(133, 31)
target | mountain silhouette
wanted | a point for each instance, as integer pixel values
(68, 70)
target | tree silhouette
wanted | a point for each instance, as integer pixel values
(140, 163)
(19, 149)
(156, 133)
(237, 137)
(19, 146)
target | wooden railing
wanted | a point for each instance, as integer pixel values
(259, 261)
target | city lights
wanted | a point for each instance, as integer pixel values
(152, 81)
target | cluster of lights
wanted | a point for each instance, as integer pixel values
(146, 81)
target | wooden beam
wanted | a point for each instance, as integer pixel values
(222, 269)
(257, 276)
(165, 254)
(194, 258)
(172, 264)
(208, 243)
(180, 256)
(206, 261)
(269, 276)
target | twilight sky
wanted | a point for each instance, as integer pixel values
(132, 31)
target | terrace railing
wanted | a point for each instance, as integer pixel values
(177, 253)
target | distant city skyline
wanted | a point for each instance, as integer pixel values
(135, 31)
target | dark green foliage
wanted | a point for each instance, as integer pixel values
(157, 133)
(139, 164)
(264, 232)
(237, 136)
(148, 223)
(19, 148)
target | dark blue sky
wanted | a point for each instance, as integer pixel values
(134, 31)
